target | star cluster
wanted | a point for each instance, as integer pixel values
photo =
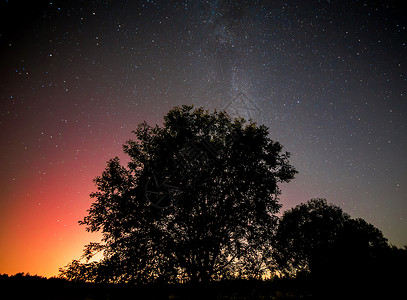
(329, 78)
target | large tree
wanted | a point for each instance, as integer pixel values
(196, 202)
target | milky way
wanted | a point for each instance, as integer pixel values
(329, 78)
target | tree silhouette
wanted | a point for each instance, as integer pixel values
(196, 202)
(320, 239)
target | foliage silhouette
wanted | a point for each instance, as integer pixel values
(321, 239)
(196, 202)
(339, 254)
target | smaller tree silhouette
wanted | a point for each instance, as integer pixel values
(321, 240)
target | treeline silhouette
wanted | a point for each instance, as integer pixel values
(383, 278)
(26, 286)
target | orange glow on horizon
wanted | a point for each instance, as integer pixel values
(39, 232)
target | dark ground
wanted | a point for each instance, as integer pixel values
(22, 286)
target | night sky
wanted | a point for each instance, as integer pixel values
(329, 78)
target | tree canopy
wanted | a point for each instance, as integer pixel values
(197, 201)
(319, 238)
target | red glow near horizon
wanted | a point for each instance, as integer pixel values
(45, 192)
(40, 231)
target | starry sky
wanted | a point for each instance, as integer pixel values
(328, 77)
